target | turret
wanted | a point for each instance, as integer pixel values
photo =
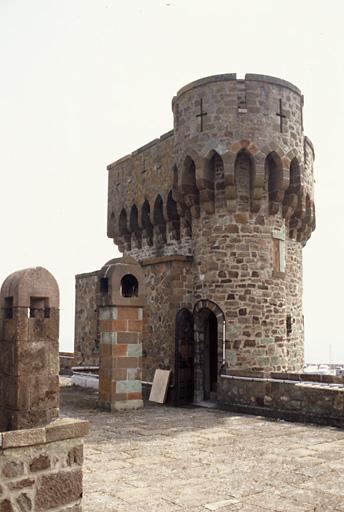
(232, 188)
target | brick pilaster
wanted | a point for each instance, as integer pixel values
(120, 330)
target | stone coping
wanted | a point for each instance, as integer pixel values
(141, 149)
(66, 354)
(301, 377)
(58, 430)
(249, 77)
(166, 259)
(87, 274)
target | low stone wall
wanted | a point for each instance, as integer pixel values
(66, 362)
(41, 468)
(295, 397)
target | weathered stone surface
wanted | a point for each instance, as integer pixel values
(56, 490)
(171, 459)
(24, 503)
(6, 506)
(13, 468)
(40, 463)
(27, 437)
(29, 329)
(30, 470)
(64, 428)
(20, 484)
(76, 456)
(86, 347)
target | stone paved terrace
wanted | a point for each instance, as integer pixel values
(169, 459)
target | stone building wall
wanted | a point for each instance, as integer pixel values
(217, 212)
(169, 280)
(41, 469)
(86, 339)
(294, 397)
(231, 187)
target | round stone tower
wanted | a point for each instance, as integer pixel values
(246, 181)
(230, 190)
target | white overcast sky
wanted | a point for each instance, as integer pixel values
(84, 82)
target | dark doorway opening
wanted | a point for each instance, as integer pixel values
(207, 355)
(210, 355)
(184, 359)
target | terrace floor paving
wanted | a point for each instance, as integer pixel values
(163, 458)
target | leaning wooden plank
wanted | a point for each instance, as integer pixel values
(160, 386)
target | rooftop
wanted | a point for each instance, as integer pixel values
(172, 459)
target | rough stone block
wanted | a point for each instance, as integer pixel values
(39, 463)
(28, 437)
(13, 468)
(24, 502)
(56, 490)
(66, 429)
(6, 506)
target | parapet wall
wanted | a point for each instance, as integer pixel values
(289, 396)
(41, 468)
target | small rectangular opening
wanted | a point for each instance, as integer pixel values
(104, 285)
(276, 254)
(8, 310)
(289, 325)
(39, 307)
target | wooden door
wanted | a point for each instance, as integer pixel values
(184, 362)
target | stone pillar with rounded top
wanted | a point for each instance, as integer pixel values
(29, 356)
(41, 455)
(120, 301)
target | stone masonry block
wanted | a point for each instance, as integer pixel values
(119, 405)
(113, 325)
(135, 325)
(127, 362)
(126, 313)
(57, 490)
(66, 429)
(121, 350)
(108, 337)
(108, 313)
(134, 350)
(28, 437)
(128, 337)
(128, 386)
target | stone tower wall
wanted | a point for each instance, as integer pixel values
(169, 281)
(232, 188)
(86, 335)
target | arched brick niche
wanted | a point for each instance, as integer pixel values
(120, 300)
(29, 353)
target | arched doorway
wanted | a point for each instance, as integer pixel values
(209, 322)
(184, 360)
